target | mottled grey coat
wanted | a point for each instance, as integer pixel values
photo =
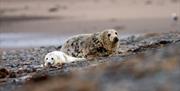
(98, 44)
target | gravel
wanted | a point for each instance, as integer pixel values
(144, 62)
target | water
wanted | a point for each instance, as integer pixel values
(25, 40)
(36, 33)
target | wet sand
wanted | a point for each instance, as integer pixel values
(81, 16)
(56, 26)
(64, 18)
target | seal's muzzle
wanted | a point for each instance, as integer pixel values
(115, 40)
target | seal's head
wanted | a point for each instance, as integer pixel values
(110, 39)
(49, 59)
(110, 35)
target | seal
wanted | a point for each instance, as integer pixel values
(98, 44)
(58, 57)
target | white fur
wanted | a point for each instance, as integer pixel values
(113, 35)
(58, 57)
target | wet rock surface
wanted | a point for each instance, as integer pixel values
(147, 62)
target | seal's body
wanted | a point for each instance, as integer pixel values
(58, 57)
(98, 44)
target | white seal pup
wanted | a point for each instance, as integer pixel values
(58, 57)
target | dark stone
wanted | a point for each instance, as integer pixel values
(3, 72)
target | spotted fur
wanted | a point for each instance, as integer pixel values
(98, 44)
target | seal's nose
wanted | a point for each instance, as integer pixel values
(116, 40)
(48, 63)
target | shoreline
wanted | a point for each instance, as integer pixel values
(22, 65)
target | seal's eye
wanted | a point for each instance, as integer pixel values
(116, 33)
(109, 35)
(46, 58)
(52, 58)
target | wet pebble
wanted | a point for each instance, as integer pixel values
(3, 73)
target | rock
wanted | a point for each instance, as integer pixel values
(39, 77)
(3, 73)
(12, 75)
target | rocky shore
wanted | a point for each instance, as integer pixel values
(144, 63)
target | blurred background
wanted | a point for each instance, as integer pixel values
(34, 23)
